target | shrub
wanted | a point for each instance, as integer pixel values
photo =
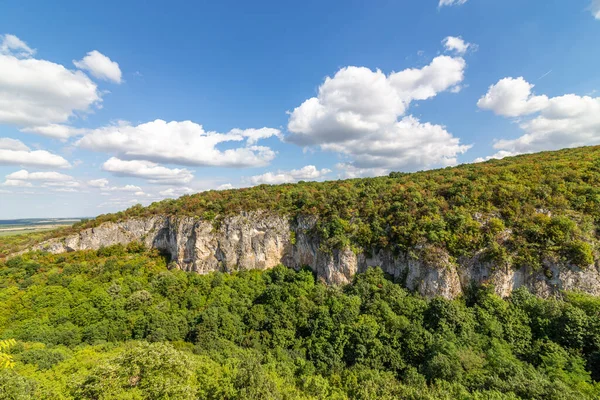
(136, 247)
(42, 358)
(579, 253)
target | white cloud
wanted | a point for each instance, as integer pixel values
(71, 184)
(14, 152)
(57, 131)
(358, 113)
(65, 190)
(254, 135)
(182, 143)
(408, 144)
(512, 97)
(349, 171)
(118, 203)
(176, 192)
(16, 183)
(358, 100)
(309, 172)
(595, 8)
(36, 93)
(98, 183)
(148, 170)
(25, 178)
(549, 123)
(443, 73)
(25, 175)
(100, 66)
(104, 186)
(126, 188)
(12, 144)
(498, 156)
(225, 186)
(10, 44)
(451, 3)
(457, 45)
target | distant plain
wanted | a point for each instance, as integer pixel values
(22, 226)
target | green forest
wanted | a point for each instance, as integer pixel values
(118, 324)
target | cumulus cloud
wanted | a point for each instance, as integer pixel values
(350, 171)
(98, 183)
(512, 97)
(126, 188)
(148, 170)
(451, 2)
(254, 135)
(549, 123)
(25, 178)
(100, 66)
(182, 143)
(595, 8)
(25, 175)
(10, 44)
(410, 144)
(12, 144)
(225, 186)
(309, 172)
(70, 184)
(104, 186)
(36, 93)
(14, 152)
(56, 131)
(360, 113)
(358, 100)
(457, 45)
(497, 156)
(176, 192)
(16, 183)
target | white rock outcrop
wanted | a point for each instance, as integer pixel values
(262, 240)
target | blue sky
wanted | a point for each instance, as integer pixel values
(108, 104)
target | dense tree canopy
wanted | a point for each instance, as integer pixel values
(117, 324)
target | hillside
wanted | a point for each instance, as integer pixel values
(107, 309)
(532, 220)
(549, 201)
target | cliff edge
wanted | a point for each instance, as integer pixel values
(263, 239)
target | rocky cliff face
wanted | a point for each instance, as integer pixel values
(262, 240)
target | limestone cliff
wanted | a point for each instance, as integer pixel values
(262, 240)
